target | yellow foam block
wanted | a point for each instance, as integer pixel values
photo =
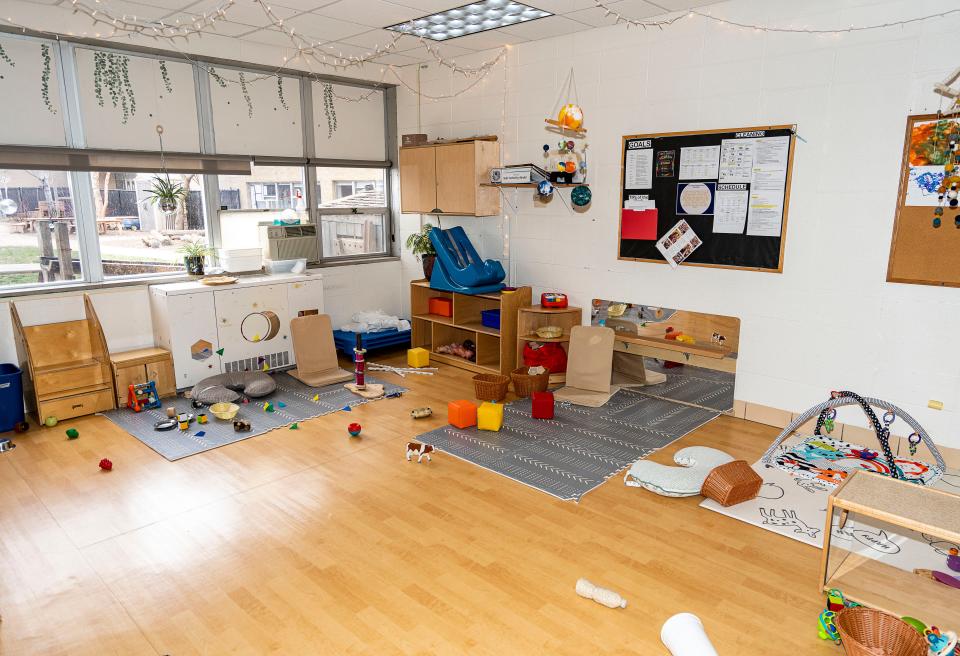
(418, 357)
(490, 416)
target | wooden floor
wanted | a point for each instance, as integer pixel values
(310, 542)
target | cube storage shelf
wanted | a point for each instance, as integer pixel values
(496, 350)
(870, 581)
(529, 319)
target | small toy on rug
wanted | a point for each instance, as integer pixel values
(241, 425)
(419, 450)
(200, 433)
(608, 598)
(72, 433)
(202, 418)
(106, 465)
(294, 426)
(420, 413)
(166, 424)
(281, 404)
(268, 407)
(143, 396)
(402, 371)
(542, 405)
(462, 413)
(183, 420)
(684, 635)
(418, 357)
(346, 408)
(50, 421)
(196, 404)
(171, 411)
(316, 397)
(354, 429)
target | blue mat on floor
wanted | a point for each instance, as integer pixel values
(298, 405)
(346, 340)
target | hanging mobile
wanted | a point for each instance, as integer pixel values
(829, 421)
(914, 441)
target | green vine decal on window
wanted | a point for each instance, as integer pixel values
(167, 84)
(216, 78)
(283, 101)
(45, 78)
(246, 95)
(113, 71)
(329, 109)
(5, 57)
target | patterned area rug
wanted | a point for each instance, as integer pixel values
(298, 405)
(579, 448)
(688, 384)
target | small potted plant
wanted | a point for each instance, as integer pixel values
(193, 254)
(422, 247)
(167, 195)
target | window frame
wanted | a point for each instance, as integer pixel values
(64, 51)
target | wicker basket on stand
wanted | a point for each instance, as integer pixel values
(525, 384)
(870, 632)
(491, 387)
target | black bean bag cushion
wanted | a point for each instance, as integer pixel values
(227, 388)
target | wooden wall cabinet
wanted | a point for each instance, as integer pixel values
(141, 366)
(447, 178)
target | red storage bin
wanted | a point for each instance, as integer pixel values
(442, 306)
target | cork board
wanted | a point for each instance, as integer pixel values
(919, 253)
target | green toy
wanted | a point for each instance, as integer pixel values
(294, 426)
(73, 433)
(50, 421)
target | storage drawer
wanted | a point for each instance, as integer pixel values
(65, 380)
(78, 405)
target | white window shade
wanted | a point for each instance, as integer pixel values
(174, 108)
(271, 130)
(359, 133)
(27, 120)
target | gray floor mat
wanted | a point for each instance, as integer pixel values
(298, 406)
(688, 384)
(579, 448)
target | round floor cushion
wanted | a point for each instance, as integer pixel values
(696, 463)
(226, 388)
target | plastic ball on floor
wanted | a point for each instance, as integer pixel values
(106, 465)
(50, 421)
(354, 429)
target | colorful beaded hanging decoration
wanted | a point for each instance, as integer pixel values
(948, 193)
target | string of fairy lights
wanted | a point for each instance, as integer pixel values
(309, 52)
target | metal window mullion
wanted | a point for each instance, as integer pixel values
(310, 151)
(84, 207)
(208, 146)
(390, 189)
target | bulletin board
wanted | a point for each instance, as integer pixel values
(732, 187)
(919, 252)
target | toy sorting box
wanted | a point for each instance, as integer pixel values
(490, 318)
(442, 306)
(553, 300)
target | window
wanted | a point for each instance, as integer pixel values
(352, 206)
(269, 193)
(38, 228)
(137, 237)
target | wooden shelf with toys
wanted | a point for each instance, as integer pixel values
(462, 321)
(535, 317)
(873, 583)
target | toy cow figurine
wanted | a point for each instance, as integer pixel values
(419, 450)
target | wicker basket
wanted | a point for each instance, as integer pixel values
(549, 332)
(525, 384)
(491, 387)
(870, 632)
(732, 483)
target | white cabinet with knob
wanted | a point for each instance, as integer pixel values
(239, 327)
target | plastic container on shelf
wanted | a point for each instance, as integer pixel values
(297, 265)
(239, 260)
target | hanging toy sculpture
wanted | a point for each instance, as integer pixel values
(570, 114)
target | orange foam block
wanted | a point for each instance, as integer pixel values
(462, 413)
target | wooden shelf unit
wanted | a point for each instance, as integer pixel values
(496, 351)
(873, 583)
(531, 318)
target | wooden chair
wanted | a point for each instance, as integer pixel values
(67, 365)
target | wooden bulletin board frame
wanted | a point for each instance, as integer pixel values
(668, 219)
(919, 253)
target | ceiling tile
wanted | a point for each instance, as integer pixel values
(120, 8)
(489, 39)
(270, 37)
(560, 6)
(375, 13)
(398, 60)
(377, 37)
(597, 17)
(430, 6)
(324, 27)
(544, 28)
(245, 13)
(680, 5)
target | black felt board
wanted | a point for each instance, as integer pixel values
(719, 250)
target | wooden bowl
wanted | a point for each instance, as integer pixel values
(225, 411)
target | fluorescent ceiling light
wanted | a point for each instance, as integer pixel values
(470, 19)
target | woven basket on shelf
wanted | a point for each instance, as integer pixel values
(870, 632)
(732, 483)
(491, 387)
(525, 384)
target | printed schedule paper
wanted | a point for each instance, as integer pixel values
(768, 186)
(638, 169)
(699, 163)
(736, 160)
(730, 208)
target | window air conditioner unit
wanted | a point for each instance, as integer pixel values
(290, 242)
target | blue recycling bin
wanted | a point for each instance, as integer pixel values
(11, 396)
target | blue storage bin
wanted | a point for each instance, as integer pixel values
(490, 318)
(11, 396)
